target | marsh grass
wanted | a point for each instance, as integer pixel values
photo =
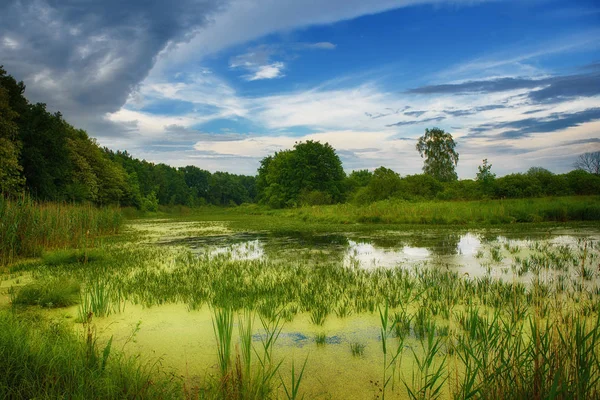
(493, 212)
(239, 376)
(357, 349)
(51, 293)
(27, 228)
(321, 339)
(99, 299)
(72, 256)
(44, 359)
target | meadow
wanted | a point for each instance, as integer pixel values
(250, 303)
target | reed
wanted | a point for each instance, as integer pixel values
(27, 228)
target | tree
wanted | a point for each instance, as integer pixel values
(11, 180)
(589, 162)
(437, 147)
(289, 176)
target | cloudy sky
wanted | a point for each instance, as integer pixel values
(222, 84)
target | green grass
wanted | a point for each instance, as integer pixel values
(53, 293)
(321, 339)
(72, 256)
(357, 349)
(45, 360)
(28, 228)
(489, 212)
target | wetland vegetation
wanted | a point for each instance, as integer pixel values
(191, 308)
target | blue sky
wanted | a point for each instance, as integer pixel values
(222, 84)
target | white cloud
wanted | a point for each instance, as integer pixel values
(320, 45)
(269, 71)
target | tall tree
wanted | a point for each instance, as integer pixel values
(441, 158)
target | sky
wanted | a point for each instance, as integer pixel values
(222, 84)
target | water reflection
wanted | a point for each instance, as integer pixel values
(474, 253)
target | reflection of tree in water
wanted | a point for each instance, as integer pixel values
(445, 244)
(440, 243)
(306, 246)
(487, 237)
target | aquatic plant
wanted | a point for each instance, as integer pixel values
(357, 349)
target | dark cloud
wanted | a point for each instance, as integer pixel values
(525, 127)
(474, 110)
(415, 122)
(175, 132)
(84, 57)
(568, 87)
(388, 111)
(534, 111)
(398, 137)
(415, 113)
(553, 89)
(580, 141)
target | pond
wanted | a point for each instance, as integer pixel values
(326, 293)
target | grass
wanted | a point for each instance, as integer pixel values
(489, 212)
(28, 228)
(53, 293)
(357, 349)
(321, 339)
(43, 359)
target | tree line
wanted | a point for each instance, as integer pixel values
(43, 155)
(312, 174)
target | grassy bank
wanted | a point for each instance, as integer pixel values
(28, 227)
(488, 212)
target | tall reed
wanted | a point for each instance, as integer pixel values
(27, 227)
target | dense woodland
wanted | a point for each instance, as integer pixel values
(42, 155)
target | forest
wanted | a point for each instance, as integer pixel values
(44, 156)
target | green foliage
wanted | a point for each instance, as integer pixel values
(11, 180)
(437, 147)
(358, 179)
(284, 178)
(384, 184)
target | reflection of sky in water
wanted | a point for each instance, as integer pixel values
(467, 253)
(367, 255)
(250, 250)
(469, 244)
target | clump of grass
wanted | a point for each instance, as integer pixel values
(53, 293)
(223, 328)
(321, 339)
(73, 256)
(357, 349)
(98, 299)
